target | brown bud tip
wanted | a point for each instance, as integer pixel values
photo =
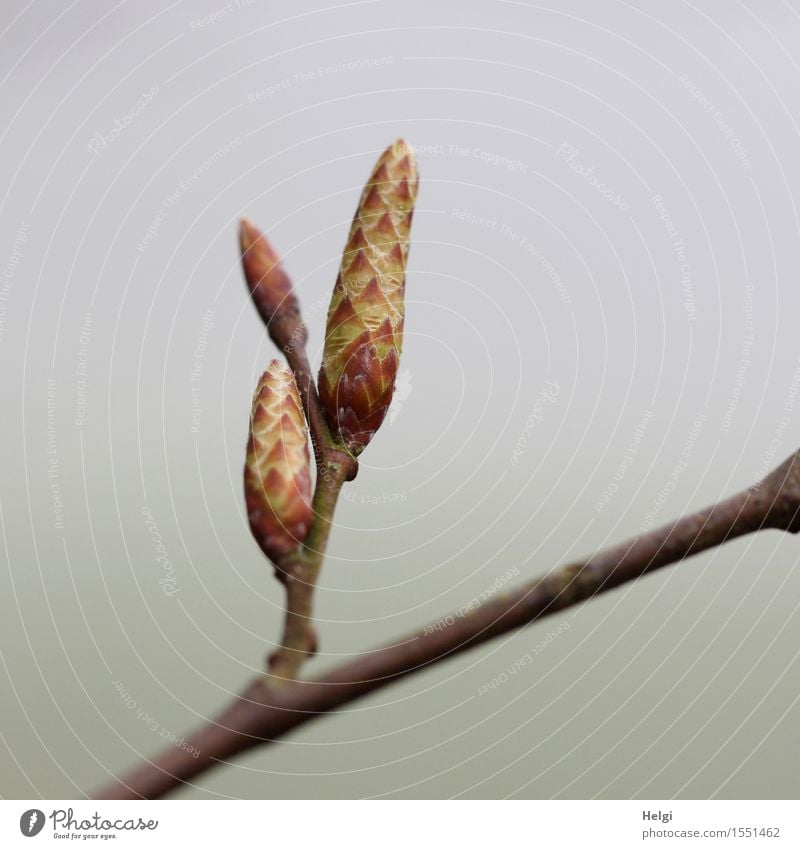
(269, 285)
(365, 319)
(277, 473)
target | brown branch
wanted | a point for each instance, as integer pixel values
(261, 715)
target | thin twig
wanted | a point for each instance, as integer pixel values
(300, 572)
(273, 295)
(261, 714)
(289, 333)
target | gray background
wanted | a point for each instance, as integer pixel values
(544, 270)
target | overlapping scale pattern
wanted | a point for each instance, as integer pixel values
(364, 334)
(277, 473)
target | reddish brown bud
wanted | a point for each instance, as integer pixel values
(269, 285)
(277, 474)
(365, 318)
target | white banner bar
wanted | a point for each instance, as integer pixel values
(402, 824)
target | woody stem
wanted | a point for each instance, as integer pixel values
(299, 570)
(300, 574)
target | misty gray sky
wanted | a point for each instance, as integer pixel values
(600, 334)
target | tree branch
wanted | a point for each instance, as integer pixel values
(261, 714)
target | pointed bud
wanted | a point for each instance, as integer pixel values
(269, 285)
(277, 474)
(365, 318)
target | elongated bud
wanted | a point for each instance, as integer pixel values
(269, 285)
(277, 475)
(364, 335)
